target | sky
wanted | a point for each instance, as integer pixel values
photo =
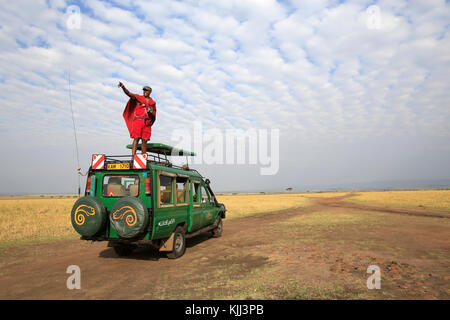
(358, 91)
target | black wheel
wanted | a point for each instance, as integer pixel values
(217, 232)
(123, 251)
(179, 244)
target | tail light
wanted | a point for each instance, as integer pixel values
(88, 185)
(147, 186)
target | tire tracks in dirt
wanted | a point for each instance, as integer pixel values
(341, 203)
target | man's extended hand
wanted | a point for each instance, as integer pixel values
(128, 93)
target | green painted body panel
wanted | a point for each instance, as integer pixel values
(166, 220)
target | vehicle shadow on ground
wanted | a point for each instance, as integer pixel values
(151, 254)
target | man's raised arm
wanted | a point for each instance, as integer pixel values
(128, 93)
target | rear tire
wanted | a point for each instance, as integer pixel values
(179, 244)
(217, 231)
(123, 251)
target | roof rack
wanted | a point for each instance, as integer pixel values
(129, 158)
(163, 149)
(152, 159)
(157, 153)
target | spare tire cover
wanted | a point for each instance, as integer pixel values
(88, 216)
(129, 217)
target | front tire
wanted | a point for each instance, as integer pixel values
(217, 231)
(179, 244)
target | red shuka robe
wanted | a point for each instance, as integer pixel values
(134, 109)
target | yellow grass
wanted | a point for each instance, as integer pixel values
(245, 205)
(35, 220)
(436, 199)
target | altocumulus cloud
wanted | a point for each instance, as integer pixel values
(352, 103)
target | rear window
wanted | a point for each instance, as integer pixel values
(120, 186)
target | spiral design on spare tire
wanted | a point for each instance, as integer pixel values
(128, 212)
(81, 212)
(129, 217)
(88, 216)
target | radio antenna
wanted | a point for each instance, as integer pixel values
(75, 135)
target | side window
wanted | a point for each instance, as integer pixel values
(205, 195)
(166, 189)
(196, 192)
(182, 184)
(120, 186)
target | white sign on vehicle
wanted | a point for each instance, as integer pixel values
(167, 222)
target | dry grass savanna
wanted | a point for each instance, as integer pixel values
(434, 199)
(27, 220)
(317, 249)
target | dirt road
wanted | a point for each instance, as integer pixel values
(321, 251)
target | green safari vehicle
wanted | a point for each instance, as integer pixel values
(146, 200)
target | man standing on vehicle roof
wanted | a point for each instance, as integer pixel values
(139, 115)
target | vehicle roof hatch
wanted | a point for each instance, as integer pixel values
(164, 149)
